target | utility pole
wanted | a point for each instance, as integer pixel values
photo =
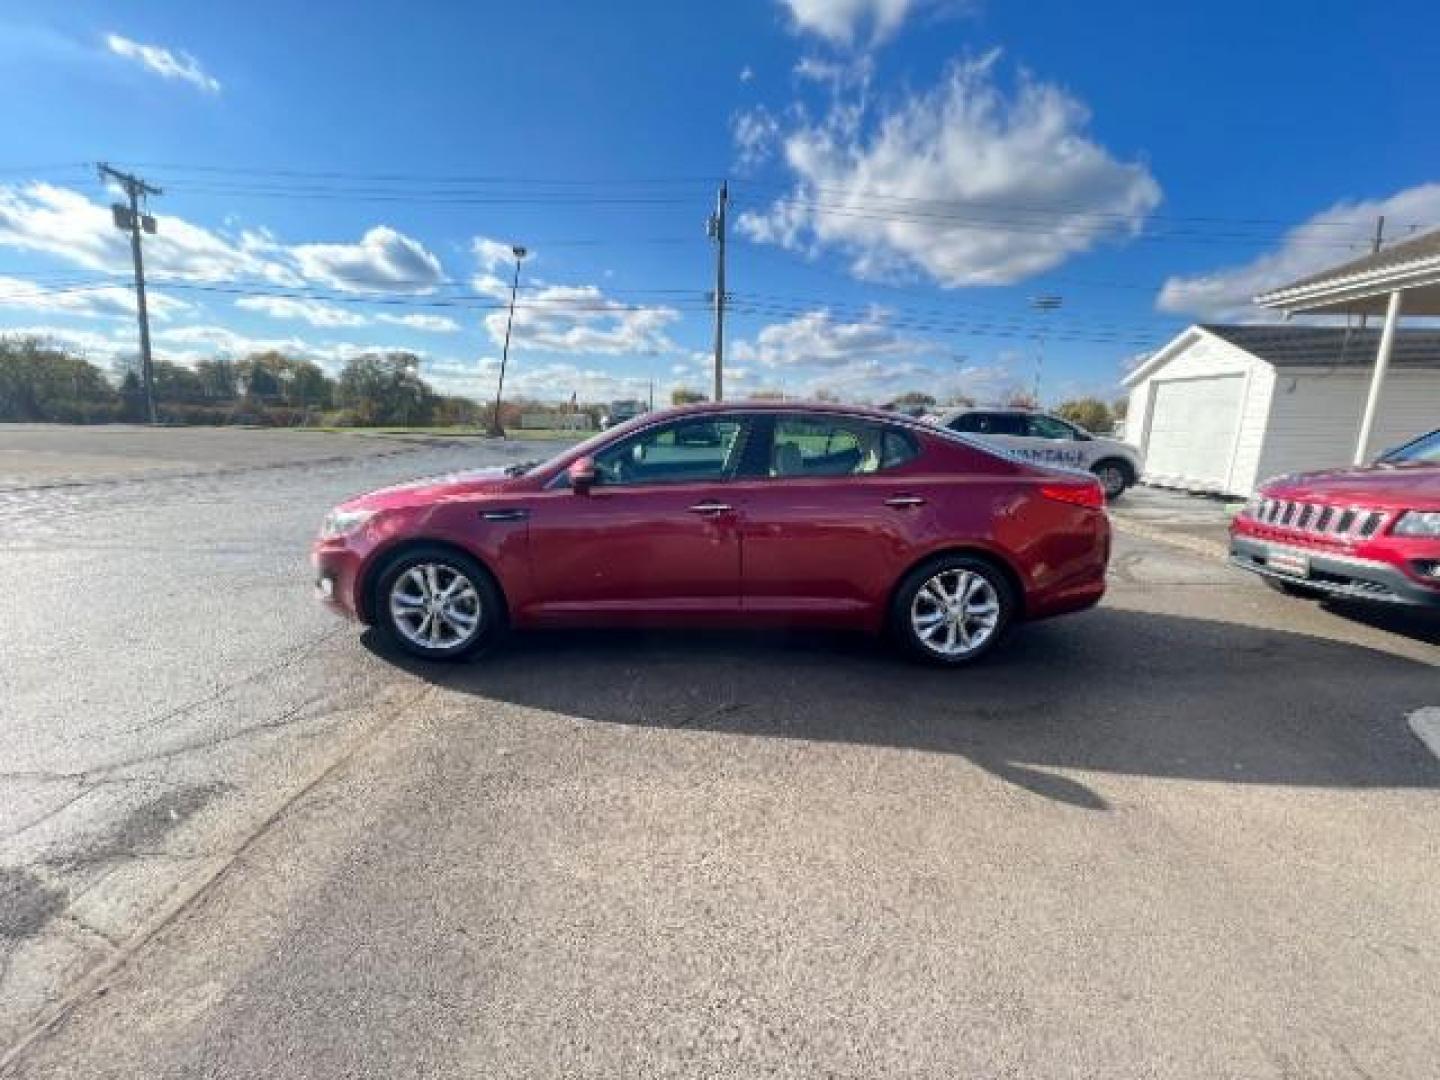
(496, 428)
(1044, 305)
(1374, 247)
(716, 230)
(130, 219)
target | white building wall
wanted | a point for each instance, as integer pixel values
(1208, 356)
(1315, 417)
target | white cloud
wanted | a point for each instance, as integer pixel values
(432, 324)
(314, 312)
(967, 184)
(383, 260)
(106, 301)
(62, 222)
(490, 254)
(576, 319)
(848, 22)
(747, 74)
(552, 381)
(1335, 235)
(863, 360)
(755, 132)
(164, 62)
(816, 339)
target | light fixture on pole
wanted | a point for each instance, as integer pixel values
(1042, 304)
(496, 428)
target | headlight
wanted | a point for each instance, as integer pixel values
(1253, 504)
(1418, 523)
(343, 522)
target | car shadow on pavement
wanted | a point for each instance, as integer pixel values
(1112, 691)
(1421, 625)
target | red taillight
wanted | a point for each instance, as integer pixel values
(1088, 495)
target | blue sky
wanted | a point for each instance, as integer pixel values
(906, 176)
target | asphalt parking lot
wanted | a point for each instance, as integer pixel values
(1190, 833)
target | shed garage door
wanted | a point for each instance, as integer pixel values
(1193, 424)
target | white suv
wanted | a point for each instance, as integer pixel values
(1048, 440)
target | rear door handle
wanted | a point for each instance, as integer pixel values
(904, 502)
(711, 508)
(505, 515)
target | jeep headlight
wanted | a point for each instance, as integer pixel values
(1418, 523)
(343, 522)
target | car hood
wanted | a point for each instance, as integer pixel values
(433, 488)
(1384, 487)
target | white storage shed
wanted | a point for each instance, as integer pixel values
(1222, 408)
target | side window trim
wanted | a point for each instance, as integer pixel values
(728, 471)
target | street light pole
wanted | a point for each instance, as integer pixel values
(496, 428)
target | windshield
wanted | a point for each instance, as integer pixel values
(1423, 451)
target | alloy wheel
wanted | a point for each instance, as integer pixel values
(955, 613)
(436, 607)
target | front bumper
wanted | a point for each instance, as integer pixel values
(1338, 576)
(337, 577)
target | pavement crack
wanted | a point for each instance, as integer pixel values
(260, 675)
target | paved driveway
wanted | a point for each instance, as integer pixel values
(1187, 834)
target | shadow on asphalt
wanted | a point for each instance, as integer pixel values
(1110, 691)
(1408, 622)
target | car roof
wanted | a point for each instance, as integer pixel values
(828, 407)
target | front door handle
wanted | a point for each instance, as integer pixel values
(904, 502)
(711, 508)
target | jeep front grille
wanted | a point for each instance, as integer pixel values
(1342, 523)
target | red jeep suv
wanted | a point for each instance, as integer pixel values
(1358, 534)
(731, 515)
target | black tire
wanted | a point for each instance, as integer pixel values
(488, 608)
(904, 611)
(1115, 476)
(1293, 588)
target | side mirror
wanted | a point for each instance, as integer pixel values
(582, 475)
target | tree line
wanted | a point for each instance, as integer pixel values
(42, 381)
(1091, 413)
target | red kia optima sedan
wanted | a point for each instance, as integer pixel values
(751, 515)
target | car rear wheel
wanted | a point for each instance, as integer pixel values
(1114, 477)
(953, 610)
(438, 604)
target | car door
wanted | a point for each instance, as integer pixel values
(656, 536)
(831, 511)
(1054, 442)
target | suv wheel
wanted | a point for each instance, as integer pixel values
(438, 604)
(1114, 477)
(953, 610)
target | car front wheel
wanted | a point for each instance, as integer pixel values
(438, 604)
(953, 610)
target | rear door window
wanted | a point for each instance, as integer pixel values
(806, 446)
